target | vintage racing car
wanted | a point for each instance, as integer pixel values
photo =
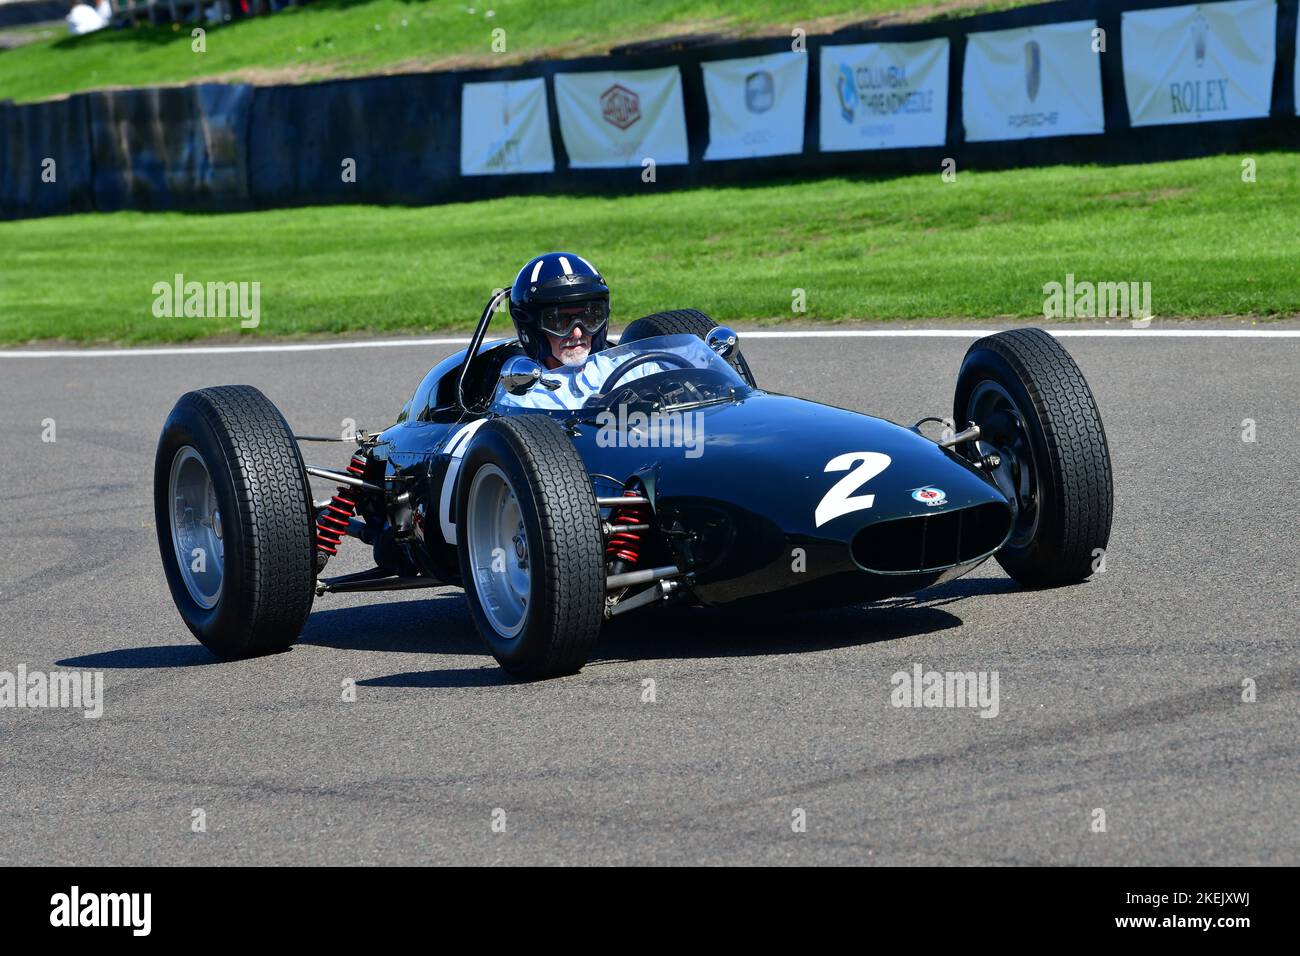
(689, 483)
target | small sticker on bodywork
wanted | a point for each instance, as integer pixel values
(931, 496)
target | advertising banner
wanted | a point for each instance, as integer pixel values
(622, 118)
(756, 105)
(884, 95)
(504, 128)
(1030, 82)
(1208, 61)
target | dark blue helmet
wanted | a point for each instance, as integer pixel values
(552, 294)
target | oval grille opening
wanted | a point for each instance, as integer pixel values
(931, 542)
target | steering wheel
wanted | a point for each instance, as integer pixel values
(668, 358)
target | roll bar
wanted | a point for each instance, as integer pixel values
(479, 332)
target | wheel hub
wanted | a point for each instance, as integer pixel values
(198, 539)
(1005, 447)
(496, 534)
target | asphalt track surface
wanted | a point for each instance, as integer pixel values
(1122, 694)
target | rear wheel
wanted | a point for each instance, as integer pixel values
(1038, 419)
(683, 322)
(233, 514)
(531, 546)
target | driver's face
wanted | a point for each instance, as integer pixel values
(572, 350)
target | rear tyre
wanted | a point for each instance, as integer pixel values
(684, 322)
(233, 513)
(1038, 416)
(532, 553)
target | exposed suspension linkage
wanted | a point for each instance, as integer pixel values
(332, 524)
(630, 517)
(624, 528)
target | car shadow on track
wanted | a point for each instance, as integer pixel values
(442, 625)
(144, 658)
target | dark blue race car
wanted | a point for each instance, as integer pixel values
(678, 480)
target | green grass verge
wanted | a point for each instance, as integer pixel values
(348, 37)
(914, 247)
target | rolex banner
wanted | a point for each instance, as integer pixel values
(504, 128)
(622, 119)
(1032, 82)
(884, 95)
(1209, 61)
(756, 105)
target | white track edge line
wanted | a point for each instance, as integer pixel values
(808, 334)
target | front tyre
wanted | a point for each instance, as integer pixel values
(531, 548)
(233, 513)
(1038, 418)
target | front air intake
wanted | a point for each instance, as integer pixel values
(931, 542)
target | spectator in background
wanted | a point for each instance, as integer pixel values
(84, 18)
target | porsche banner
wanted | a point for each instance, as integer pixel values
(756, 105)
(621, 119)
(504, 128)
(1208, 61)
(1034, 81)
(884, 95)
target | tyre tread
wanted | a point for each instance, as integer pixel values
(278, 584)
(1076, 441)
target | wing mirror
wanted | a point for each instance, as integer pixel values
(520, 374)
(722, 340)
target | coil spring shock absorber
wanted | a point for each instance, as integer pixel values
(332, 524)
(625, 545)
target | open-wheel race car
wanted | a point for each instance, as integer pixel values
(678, 480)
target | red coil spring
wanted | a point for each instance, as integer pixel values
(332, 524)
(626, 545)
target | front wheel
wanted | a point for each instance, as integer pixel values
(233, 513)
(531, 547)
(1039, 422)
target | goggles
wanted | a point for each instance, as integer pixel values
(560, 320)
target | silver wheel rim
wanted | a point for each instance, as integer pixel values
(498, 551)
(197, 532)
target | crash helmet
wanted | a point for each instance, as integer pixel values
(552, 294)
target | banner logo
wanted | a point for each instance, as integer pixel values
(847, 91)
(1033, 69)
(760, 92)
(1199, 28)
(620, 106)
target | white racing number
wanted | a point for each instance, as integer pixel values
(840, 500)
(455, 448)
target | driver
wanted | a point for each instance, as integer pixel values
(560, 307)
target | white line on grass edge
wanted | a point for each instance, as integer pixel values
(745, 336)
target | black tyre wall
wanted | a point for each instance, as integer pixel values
(262, 491)
(558, 505)
(1072, 458)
